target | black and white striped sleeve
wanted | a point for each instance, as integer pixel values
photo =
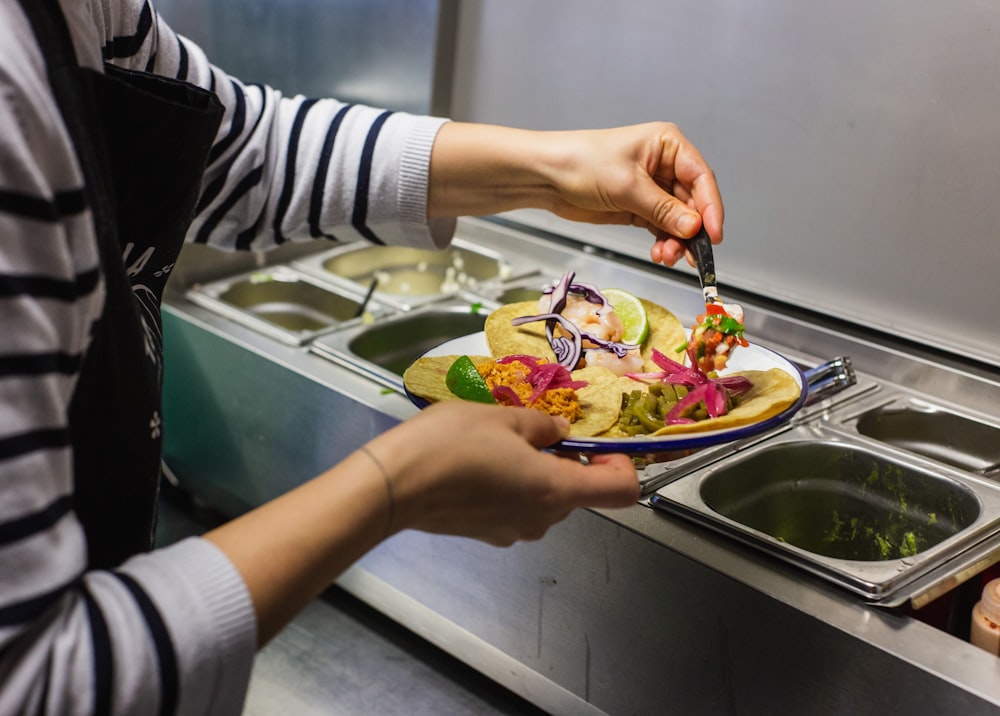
(168, 632)
(292, 168)
(172, 631)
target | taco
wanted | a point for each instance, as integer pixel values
(700, 402)
(708, 401)
(769, 393)
(597, 399)
(666, 332)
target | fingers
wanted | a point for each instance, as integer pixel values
(693, 176)
(646, 175)
(668, 213)
(667, 250)
(608, 481)
(675, 193)
(539, 429)
(497, 483)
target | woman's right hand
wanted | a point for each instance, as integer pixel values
(478, 471)
(646, 175)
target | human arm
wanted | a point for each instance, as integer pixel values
(285, 167)
(646, 175)
(290, 549)
(282, 168)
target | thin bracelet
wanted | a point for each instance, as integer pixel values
(388, 488)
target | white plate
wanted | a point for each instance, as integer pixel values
(751, 357)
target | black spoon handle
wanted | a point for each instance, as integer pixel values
(701, 249)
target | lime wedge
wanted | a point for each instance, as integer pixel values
(631, 312)
(464, 381)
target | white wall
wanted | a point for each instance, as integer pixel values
(857, 142)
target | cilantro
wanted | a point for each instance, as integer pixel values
(723, 324)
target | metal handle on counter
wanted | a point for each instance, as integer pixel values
(828, 378)
(990, 471)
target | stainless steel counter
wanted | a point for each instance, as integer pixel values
(625, 611)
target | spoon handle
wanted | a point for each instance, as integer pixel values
(701, 249)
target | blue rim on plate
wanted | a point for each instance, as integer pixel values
(752, 357)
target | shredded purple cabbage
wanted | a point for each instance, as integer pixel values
(541, 376)
(569, 349)
(714, 392)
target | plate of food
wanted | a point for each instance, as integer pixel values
(619, 367)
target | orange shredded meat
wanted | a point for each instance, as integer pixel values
(558, 401)
(511, 374)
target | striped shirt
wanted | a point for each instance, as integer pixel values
(171, 631)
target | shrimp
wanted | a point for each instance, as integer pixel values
(589, 317)
(631, 363)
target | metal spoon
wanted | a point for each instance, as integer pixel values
(701, 250)
(716, 315)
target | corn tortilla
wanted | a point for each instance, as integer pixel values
(666, 332)
(599, 400)
(773, 391)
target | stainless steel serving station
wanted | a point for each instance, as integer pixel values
(692, 601)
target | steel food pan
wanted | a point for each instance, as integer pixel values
(407, 278)
(383, 350)
(282, 303)
(872, 520)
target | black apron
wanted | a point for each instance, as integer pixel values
(142, 142)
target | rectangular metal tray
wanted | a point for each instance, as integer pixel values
(283, 303)
(383, 350)
(408, 278)
(840, 506)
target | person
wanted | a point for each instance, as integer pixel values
(118, 142)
